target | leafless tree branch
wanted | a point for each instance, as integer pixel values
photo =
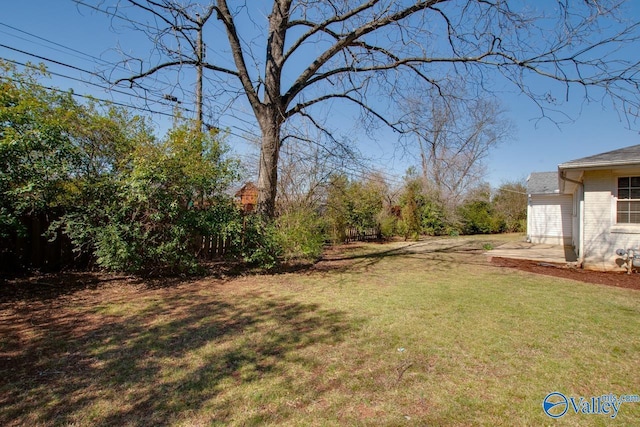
(307, 52)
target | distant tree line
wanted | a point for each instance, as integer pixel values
(412, 211)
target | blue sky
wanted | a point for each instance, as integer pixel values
(536, 145)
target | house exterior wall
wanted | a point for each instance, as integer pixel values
(602, 236)
(550, 218)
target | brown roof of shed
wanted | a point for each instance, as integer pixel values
(248, 187)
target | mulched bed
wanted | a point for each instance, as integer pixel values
(609, 278)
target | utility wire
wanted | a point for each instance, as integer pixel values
(104, 62)
(42, 58)
(63, 64)
(53, 73)
(127, 19)
(147, 109)
(354, 172)
(89, 97)
(94, 58)
(250, 133)
(112, 14)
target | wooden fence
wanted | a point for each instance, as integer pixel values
(35, 251)
(355, 235)
(211, 247)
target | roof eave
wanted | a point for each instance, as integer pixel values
(598, 165)
(553, 193)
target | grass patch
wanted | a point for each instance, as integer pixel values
(423, 333)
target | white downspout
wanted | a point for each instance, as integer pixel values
(529, 220)
(580, 216)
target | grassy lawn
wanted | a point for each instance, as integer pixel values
(424, 333)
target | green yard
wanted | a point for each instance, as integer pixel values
(424, 333)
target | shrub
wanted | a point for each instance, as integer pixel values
(259, 243)
(433, 219)
(147, 217)
(477, 217)
(388, 224)
(301, 234)
(352, 204)
(510, 203)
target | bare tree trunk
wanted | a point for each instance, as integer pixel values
(271, 112)
(268, 167)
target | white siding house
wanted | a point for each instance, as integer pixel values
(549, 213)
(596, 208)
(608, 189)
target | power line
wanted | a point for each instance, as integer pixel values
(53, 73)
(93, 98)
(354, 172)
(247, 132)
(133, 95)
(63, 64)
(112, 14)
(89, 97)
(125, 18)
(146, 99)
(42, 58)
(104, 62)
(95, 58)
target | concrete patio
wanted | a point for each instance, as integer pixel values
(535, 252)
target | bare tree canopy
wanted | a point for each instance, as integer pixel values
(289, 60)
(452, 138)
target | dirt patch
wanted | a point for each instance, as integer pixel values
(609, 278)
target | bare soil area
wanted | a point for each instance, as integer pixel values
(609, 278)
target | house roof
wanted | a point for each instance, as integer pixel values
(620, 157)
(543, 183)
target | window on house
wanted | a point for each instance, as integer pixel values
(628, 200)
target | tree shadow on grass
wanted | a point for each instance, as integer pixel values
(50, 286)
(158, 360)
(37, 286)
(437, 254)
(348, 257)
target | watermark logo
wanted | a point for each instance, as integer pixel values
(557, 404)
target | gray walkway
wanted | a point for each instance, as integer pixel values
(542, 253)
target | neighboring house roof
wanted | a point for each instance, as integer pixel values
(249, 187)
(620, 157)
(543, 183)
